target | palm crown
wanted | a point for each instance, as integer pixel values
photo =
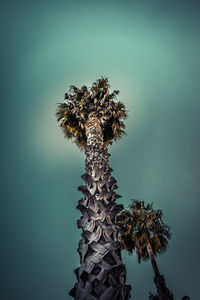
(140, 225)
(94, 101)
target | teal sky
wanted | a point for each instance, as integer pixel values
(149, 50)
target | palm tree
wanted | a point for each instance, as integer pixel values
(93, 119)
(142, 229)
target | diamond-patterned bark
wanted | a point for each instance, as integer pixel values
(101, 274)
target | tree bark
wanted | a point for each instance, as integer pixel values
(159, 280)
(101, 274)
(153, 261)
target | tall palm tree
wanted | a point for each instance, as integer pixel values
(93, 119)
(142, 230)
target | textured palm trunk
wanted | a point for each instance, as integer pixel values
(159, 280)
(101, 274)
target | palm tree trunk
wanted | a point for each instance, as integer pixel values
(101, 274)
(159, 280)
(153, 261)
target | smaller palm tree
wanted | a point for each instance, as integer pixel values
(142, 230)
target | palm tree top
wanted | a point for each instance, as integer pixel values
(82, 103)
(140, 225)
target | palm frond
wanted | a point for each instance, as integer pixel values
(142, 224)
(82, 102)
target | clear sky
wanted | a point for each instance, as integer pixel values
(149, 50)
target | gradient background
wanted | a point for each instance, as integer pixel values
(150, 52)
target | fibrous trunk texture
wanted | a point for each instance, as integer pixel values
(101, 275)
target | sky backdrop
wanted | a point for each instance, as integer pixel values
(150, 51)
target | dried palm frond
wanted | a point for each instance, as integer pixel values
(141, 224)
(82, 102)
